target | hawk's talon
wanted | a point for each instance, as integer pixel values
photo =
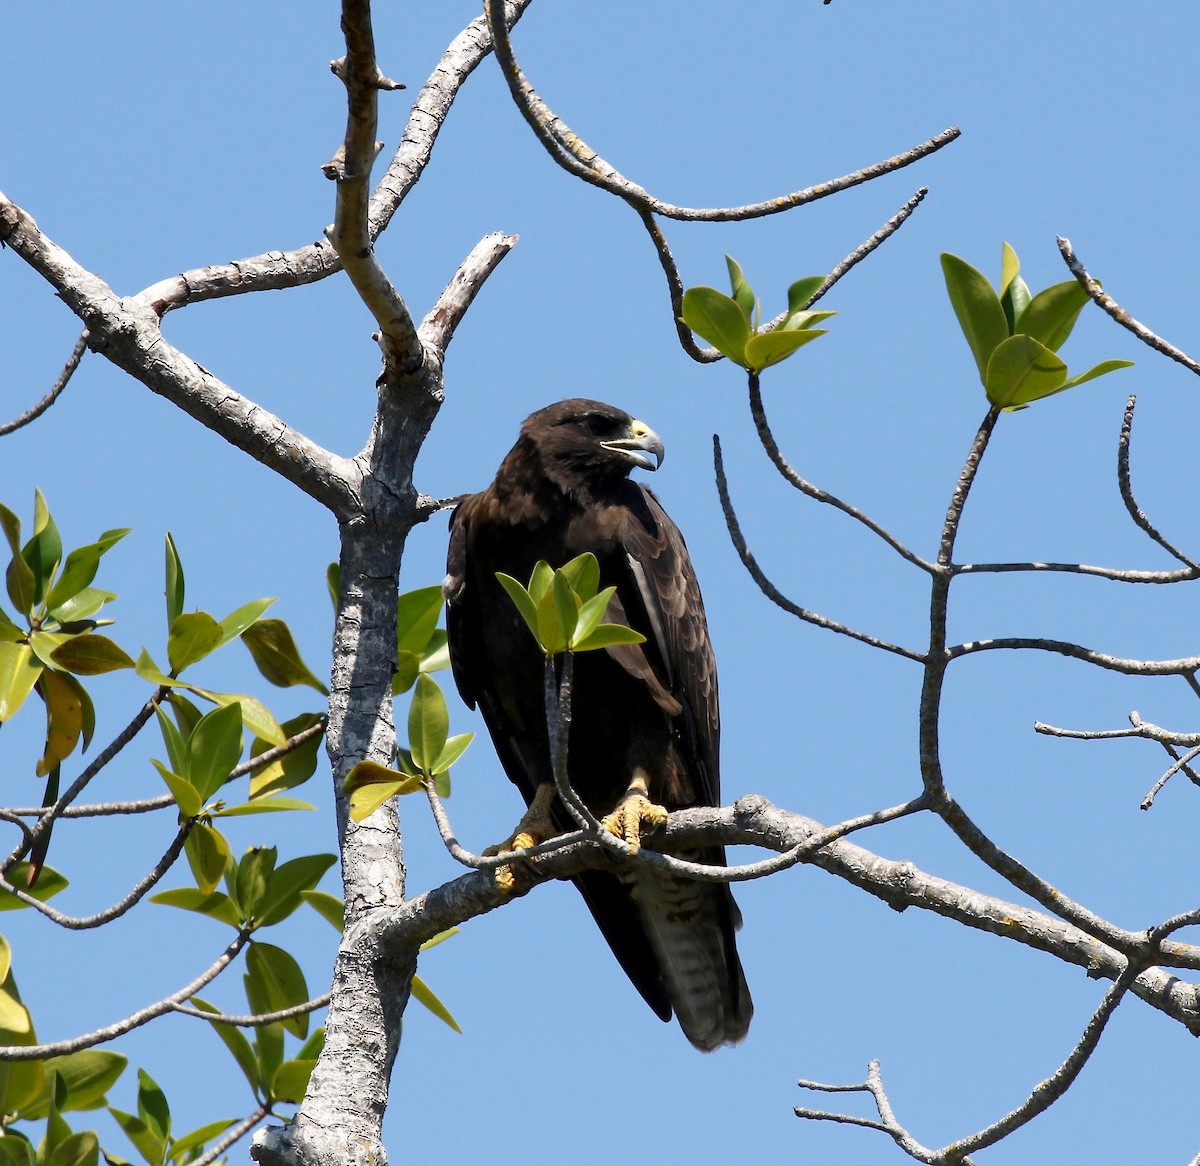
(635, 817)
(533, 828)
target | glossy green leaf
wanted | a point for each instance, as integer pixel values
(455, 747)
(9, 632)
(437, 652)
(88, 1075)
(267, 805)
(175, 584)
(800, 294)
(365, 800)
(49, 883)
(1051, 315)
(802, 321)
(43, 552)
(250, 884)
(213, 749)
(608, 635)
(372, 773)
(186, 796)
(1010, 265)
(566, 606)
(146, 1141)
(208, 854)
(18, 578)
(441, 937)
(152, 1105)
(150, 672)
(45, 643)
(1098, 370)
(19, 670)
(82, 605)
(333, 581)
(541, 580)
(428, 722)
(1021, 370)
(590, 615)
(79, 1149)
(328, 906)
(288, 881)
(61, 694)
(268, 1047)
(294, 767)
(549, 629)
(235, 1041)
(768, 348)
(718, 319)
(417, 615)
(423, 994)
(15, 1150)
(583, 573)
(256, 717)
(275, 653)
(278, 984)
(236, 622)
(194, 634)
(1014, 301)
(80, 568)
(182, 1150)
(521, 599)
(175, 742)
(978, 308)
(14, 1016)
(216, 906)
(90, 655)
(742, 292)
(291, 1080)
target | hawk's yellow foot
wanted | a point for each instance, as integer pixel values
(634, 816)
(535, 826)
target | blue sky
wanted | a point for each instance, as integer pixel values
(146, 139)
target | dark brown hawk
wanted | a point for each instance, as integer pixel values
(645, 728)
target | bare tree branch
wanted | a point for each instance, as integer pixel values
(437, 329)
(259, 1018)
(1118, 313)
(55, 390)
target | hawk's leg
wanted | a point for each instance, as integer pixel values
(635, 814)
(535, 826)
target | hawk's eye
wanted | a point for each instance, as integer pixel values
(601, 426)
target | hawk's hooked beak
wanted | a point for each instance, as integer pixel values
(643, 447)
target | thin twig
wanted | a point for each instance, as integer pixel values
(228, 1139)
(57, 388)
(771, 591)
(1118, 313)
(136, 1020)
(259, 1018)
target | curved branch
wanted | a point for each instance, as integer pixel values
(580, 160)
(437, 329)
(136, 1020)
(1118, 313)
(55, 390)
(771, 591)
(228, 1139)
(1180, 667)
(259, 1018)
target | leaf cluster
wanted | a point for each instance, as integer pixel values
(1015, 336)
(564, 608)
(730, 323)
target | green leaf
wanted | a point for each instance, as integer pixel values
(288, 881)
(803, 320)
(90, 655)
(64, 699)
(743, 293)
(43, 552)
(275, 653)
(566, 606)
(147, 1143)
(328, 906)
(1014, 301)
(1021, 370)
(213, 749)
(541, 580)
(800, 294)
(255, 715)
(235, 1041)
(978, 308)
(1098, 370)
(16, 1150)
(278, 983)
(14, 1016)
(441, 937)
(583, 573)
(428, 722)
(175, 584)
(194, 634)
(236, 622)
(291, 1080)
(521, 599)
(365, 800)
(590, 615)
(208, 854)
(81, 1149)
(253, 875)
(424, 995)
(550, 633)
(19, 579)
(768, 348)
(174, 741)
(88, 1075)
(80, 569)
(1010, 265)
(268, 805)
(216, 906)
(150, 672)
(9, 632)
(268, 1046)
(182, 1150)
(1051, 315)
(49, 883)
(456, 746)
(333, 581)
(186, 796)
(608, 635)
(152, 1105)
(719, 320)
(416, 617)
(19, 670)
(294, 767)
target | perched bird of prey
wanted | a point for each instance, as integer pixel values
(645, 727)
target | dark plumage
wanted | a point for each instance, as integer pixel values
(646, 709)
